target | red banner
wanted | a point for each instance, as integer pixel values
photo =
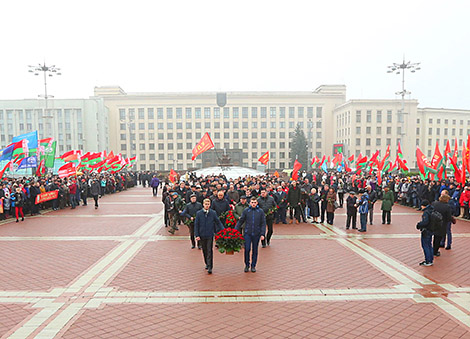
(203, 145)
(47, 196)
(264, 158)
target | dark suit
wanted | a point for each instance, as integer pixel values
(207, 223)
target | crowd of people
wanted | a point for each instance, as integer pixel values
(18, 195)
(314, 198)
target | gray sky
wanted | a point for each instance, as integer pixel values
(151, 46)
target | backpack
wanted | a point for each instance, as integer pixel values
(436, 221)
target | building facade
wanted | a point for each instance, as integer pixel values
(162, 128)
(74, 123)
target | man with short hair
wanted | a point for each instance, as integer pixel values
(190, 213)
(267, 203)
(255, 228)
(206, 225)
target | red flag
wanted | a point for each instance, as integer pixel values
(172, 176)
(295, 172)
(456, 151)
(203, 145)
(71, 155)
(4, 168)
(374, 159)
(351, 158)
(67, 170)
(41, 170)
(276, 174)
(264, 158)
(421, 160)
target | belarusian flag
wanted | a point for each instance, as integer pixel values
(295, 171)
(67, 170)
(73, 155)
(50, 154)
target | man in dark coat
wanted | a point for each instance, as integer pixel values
(442, 206)
(190, 213)
(281, 199)
(351, 210)
(426, 233)
(207, 223)
(323, 194)
(267, 203)
(293, 199)
(255, 228)
(34, 191)
(220, 205)
(372, 200)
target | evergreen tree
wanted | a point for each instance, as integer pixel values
(299, 148)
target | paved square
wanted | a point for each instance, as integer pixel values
(115, 272)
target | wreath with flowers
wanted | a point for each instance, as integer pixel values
(229, 240)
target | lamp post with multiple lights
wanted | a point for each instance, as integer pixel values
(47, 71)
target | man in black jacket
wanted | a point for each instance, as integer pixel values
(372, 199)
(425, 226)
(444, 208)
(293, 199)
(207, 223)
(267, 203)
(220, 205)
(190, 213)
(34, 191)
(351, 210)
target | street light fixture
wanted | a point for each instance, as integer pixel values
(47, 71)
(400, 69)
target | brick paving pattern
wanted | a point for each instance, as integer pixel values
(116, 272)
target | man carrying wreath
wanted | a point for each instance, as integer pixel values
(207, 223)
(255, 228)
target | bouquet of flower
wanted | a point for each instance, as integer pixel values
(229, 240)
(271, 211)
(230, 220)
(223, 216)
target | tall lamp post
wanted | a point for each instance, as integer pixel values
(47, 71)
(400, 68)
(129, 124)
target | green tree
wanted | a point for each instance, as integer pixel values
(299, 148)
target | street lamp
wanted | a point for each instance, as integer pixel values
(47, 71)
(401, 68)
(129, 124)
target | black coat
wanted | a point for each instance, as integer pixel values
(350, 202)
(313, 205)
(446, 211)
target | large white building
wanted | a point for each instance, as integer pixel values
(162, 128)
(75, 123)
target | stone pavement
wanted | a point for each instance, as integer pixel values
(116, 273)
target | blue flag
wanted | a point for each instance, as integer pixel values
(5, 154)
(29, 162)
(324, 167)
(32, 138)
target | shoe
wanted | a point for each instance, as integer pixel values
(422, 263)
(268, 243)
(347, 228)
(428, 264)
(22, 219)
(290, 222)
(199, 247)
(209, 270)
(388, 223)
(354, 228)
(383, 223)
(361, 230)
(253, 269)
(285, 223)
(247, 268)
(96, 207)
(438, 254)
(17, 220)
(371, 224)
(448, 247)
(193, 247)
(207, 267)
(263, 246)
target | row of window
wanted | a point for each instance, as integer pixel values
(445, 130)
(190, 146)
(446, 121)
(227, 112)
(31, 114)
(215, 136)
(180, 167)
(216, 125)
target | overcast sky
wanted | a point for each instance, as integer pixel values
(152, 46)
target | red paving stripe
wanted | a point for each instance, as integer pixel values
(355, 319)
